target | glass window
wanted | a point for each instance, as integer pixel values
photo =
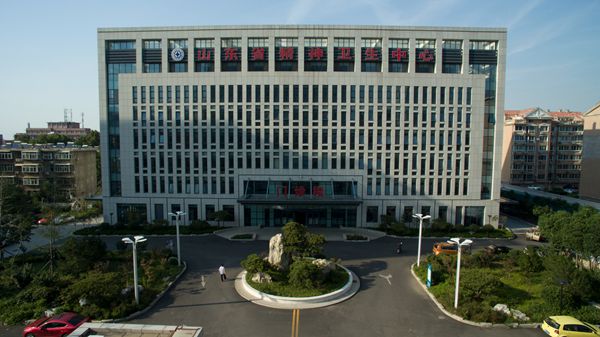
(151, 44)
(398, 43)
(286, 42)
(231, 43)
(452, 44)
(371, 43)
(343, 42)
(372, 212)
(204, 43)
(258, 42)
(483, 45)
(177, 43)
(425, 43)
(315, 42)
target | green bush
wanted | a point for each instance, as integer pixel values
(487, 228)
(440, 225)
(82, 253)
(199, 224)
(479, 259)
(530, 262)
(102, 291)
(304, 274)
(299, 242)
(254, 264)
(477, 284)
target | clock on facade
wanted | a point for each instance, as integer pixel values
(177, 54)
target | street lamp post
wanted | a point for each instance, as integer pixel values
(136, 239)
(460, 244)
(111, 217)
(421, 218)
(177, 215)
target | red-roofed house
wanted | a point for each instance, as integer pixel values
(542, 147)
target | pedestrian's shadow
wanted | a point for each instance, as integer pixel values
(367, 272)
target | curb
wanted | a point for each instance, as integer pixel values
(466, 321)
(287, 303)
(146, 235)
(151, 305)
(242, 240)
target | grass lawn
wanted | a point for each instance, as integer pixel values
(280, 287)
(499, 282)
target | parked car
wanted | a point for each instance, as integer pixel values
(493, 249)
(534, 234)
(448, 248)
(567, 326)
(56, 326)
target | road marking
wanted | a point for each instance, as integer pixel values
(295, 322)
(387, 278)
(203, 282)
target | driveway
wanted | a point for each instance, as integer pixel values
(398, 307)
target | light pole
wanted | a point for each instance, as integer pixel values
(111, 221)
(136, 239)
(421, 218)
(177, 215)
(460, 244)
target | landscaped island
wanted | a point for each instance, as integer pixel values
(81, 276)
(295, 266)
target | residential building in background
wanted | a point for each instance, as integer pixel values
(542, 148)
(324, 125)
(1, 140)
(70, 129)
(66, 172)
(589, 187)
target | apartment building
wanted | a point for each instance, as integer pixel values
(65, 171)
(542, 148)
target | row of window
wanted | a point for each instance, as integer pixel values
(226, 186)
(308, 42)
(310, 93)
(296, 139)
(183, 163)
(37, 155)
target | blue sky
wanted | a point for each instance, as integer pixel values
(49, 55)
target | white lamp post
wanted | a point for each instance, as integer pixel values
(136, 239)
(421, 218)
(177, 215)
(460, 244)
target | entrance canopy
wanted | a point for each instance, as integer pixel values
(291, 192)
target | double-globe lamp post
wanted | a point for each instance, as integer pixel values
(460, 244)
(136, 239)
(421, 218)
(177, 215)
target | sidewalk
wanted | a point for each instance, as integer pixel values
(38, 239)
(330, 234)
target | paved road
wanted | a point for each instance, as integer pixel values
(379, 309)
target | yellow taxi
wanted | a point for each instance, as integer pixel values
(567, 326)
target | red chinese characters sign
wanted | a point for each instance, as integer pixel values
(316, 54)
(204, 54)
(318, 191)
(286, 54)
(398, 55)
(371, 54)
(231, 54)
(299, 191)
(258, 54)
(426, 55)
(344, 54)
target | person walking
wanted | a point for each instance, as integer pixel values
(222, 273)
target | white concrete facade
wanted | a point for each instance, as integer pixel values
(392, 122)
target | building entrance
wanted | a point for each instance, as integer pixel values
(278, 216)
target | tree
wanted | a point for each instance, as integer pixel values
(91, 139)
(477, 284)
(220, 216)
(16, 215)
(298, 242)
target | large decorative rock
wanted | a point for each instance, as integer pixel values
(503, 308)
(518, 315)
(277, 258)
(326, 266)
(262, 278)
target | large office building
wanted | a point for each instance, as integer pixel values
(542, 148)
(325, 125)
